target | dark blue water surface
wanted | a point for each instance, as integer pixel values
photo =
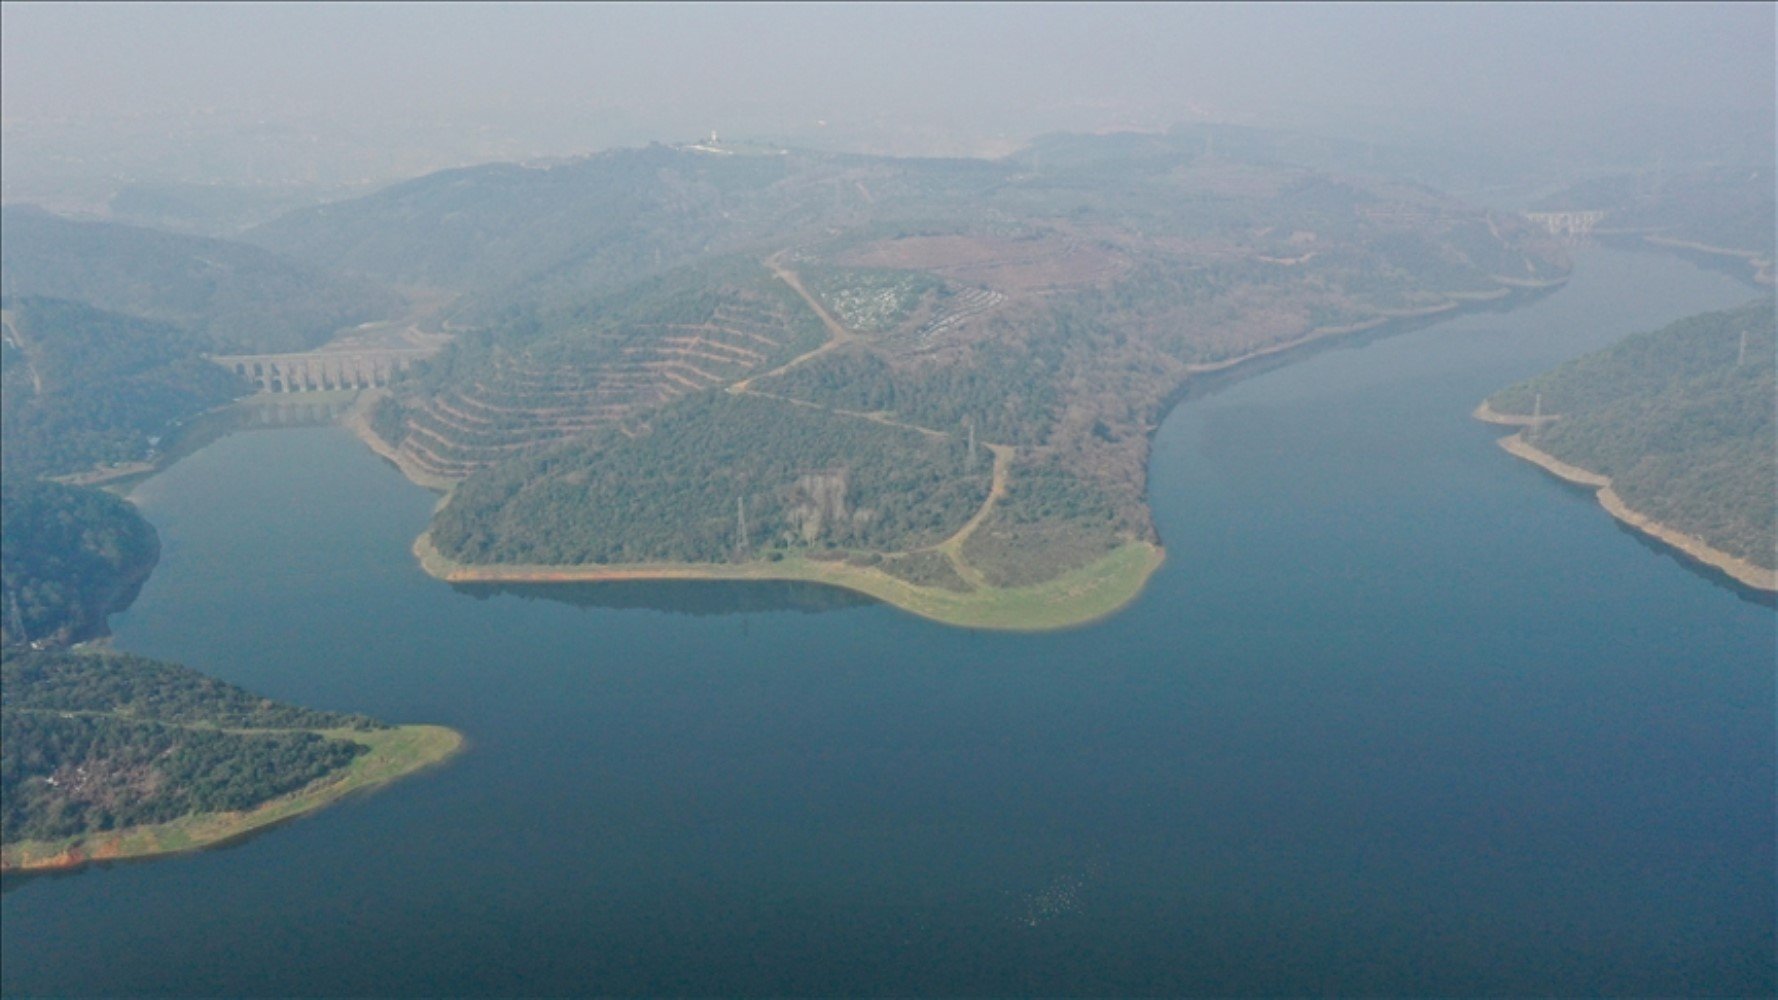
(1399, 715)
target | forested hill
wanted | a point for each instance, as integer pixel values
(1681, 420)
(89, 393)
(820, 318)
(71, 556)
(593, 223)
(95, 743)
(233, 296)
(106, 328)
(85, 388)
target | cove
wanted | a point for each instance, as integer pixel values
(1399, 714)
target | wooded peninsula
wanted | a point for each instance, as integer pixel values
(112, 757)
(931, 381)
(1675, 430)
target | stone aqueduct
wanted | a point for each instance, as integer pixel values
(319, 370)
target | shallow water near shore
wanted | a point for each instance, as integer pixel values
(1400, 714)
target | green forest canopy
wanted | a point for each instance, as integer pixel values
(1681, 420)
(799, 477)
(90, 743)
(71, 556)
(96, 388)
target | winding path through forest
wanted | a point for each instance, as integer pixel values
(838, 334)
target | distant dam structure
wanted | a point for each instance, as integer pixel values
(1568, 225)
(318, 371)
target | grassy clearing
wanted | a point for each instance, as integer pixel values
(394, 753)
(1075, 598)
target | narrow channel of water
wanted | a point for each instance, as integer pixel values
(1399, 715)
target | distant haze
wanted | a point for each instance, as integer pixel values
(347, 94)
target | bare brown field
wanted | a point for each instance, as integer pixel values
(1010, 265)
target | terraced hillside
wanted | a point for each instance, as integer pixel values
(691, 332)
(994, 339)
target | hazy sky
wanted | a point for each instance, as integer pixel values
(543, 71)
(83, 59)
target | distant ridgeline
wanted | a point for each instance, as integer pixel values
(1679, 420)
(106, 325)
(231, 296)
(945, 370)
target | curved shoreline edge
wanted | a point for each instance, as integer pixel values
(357, 420)
(1691, 546)
(395, 753)
(1078, 597)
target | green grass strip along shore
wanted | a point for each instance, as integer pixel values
(1075, 598)
(394, 753)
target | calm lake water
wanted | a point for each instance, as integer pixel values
(1400, 715)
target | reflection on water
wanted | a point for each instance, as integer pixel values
(261, 412)
(684, 597)
(1752, 595)
(311, 409)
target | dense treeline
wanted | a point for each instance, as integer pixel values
(1681, 419)
(90, 743)
(1006, 394)
(1647, 364)
(150, 691)
(114, 421)
(64, 776)
(71, 555)
(799, 477)
(95, 742)
(85, 387)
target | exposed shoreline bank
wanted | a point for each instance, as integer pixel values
(1455, 305)
(395, 753)
(1694, 548)
(357, 420)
